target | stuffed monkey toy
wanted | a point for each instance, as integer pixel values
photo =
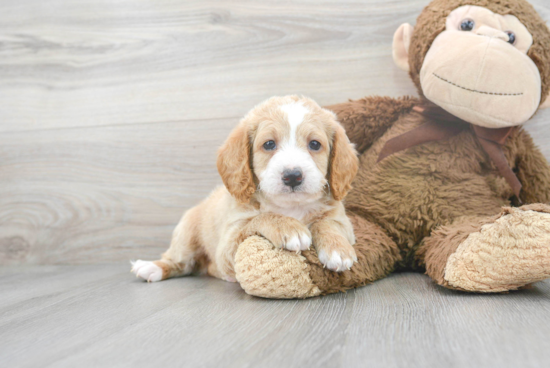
(449, 183)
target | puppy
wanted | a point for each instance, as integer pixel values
(286, 167)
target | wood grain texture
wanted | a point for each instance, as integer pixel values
(100, 316)
(111, 111)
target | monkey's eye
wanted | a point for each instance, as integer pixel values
(269, 145)
(467, 25)
(511, 37)
(314, 146)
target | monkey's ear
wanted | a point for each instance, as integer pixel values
(545, 104)
(401, 43)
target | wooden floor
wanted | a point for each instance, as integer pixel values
(100, 316)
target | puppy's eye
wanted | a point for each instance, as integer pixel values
(467, 25)
(314, 146)
(270, 145)
(511, 37)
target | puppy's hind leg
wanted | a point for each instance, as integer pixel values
(184, 255)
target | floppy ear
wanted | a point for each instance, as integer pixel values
(343, 164)
(234, 164)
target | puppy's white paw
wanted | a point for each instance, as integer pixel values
(147, 270)
(298, 242)
(337, 261)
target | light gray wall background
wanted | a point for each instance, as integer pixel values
(111, 111)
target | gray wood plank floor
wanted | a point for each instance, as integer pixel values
(101, 316)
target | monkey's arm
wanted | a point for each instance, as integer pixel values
(365, 120)
(533, 170)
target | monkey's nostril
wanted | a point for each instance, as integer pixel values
(292, 178)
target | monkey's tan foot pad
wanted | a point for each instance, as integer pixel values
(505, 255)
(267, 272)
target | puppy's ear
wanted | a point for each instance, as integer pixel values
(234, 164)
(343, 164)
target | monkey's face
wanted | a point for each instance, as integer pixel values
(478, 69)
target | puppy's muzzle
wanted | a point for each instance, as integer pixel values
(292, 178)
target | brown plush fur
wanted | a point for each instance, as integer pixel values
(436, 194)
(368, 118)
(432, 195)
(431, 23)
(377, 255)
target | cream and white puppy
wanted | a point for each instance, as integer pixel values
(286, 167)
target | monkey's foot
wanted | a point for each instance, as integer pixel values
(504, 255)
(264, 271)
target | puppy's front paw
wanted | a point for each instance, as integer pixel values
(337, 259)
(146, 270)
(291, 235)
(297, 242)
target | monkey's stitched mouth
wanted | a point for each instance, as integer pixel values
(476, 91)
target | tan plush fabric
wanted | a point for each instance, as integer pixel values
(431, 23)
(483, 80)
(504, 255)
(487, 73)
(267, 272)
(414, 191)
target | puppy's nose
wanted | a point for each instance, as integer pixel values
(292, 178)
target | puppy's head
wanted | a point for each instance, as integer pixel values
(289, 148)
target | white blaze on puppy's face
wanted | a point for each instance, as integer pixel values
(288, 131)
(295, 113)
(292, 154)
